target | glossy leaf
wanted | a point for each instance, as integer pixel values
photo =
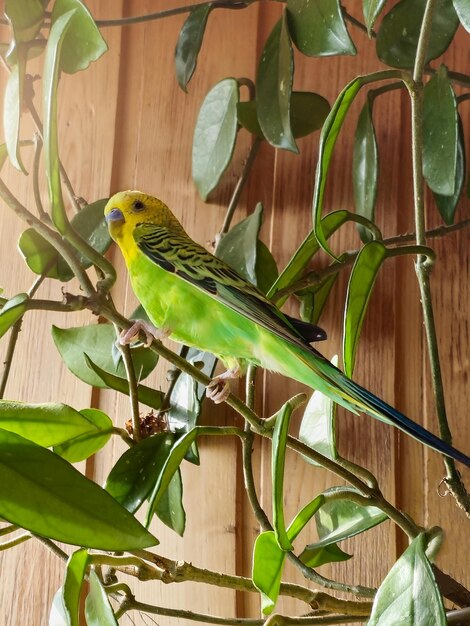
(26, 17)
(317, 27)
(96, 341)
(371, 10)
(314, 557)
(85, 445)
(12, 110)
(47, 424)
(313, 303)
(75, 574)
(409, 594)
(279, 443)
(44, 494)
(440, 134)
(214, 135)
(462, 8)
(304, 516)
(41, 257)
(189, 43)
(365, 169)
(83, 42)
(170, 508)
(317, 428)
(265, 267)
(268, 564)
(397, 39)
(172, 463)
(308, 111)
(136, 471)
(447, 205)
(12, 311)
(98, 611)
(360, 286)
(274, 86)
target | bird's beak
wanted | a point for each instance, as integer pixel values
(115, 215)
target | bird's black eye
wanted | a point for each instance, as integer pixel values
(138, 205)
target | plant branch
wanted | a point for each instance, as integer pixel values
(53, 547)
(133, 386)
(11, 543)
(358, 24)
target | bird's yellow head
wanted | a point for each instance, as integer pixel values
(127, 209)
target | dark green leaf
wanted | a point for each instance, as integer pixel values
(409, 594)
(314, 557)
(317, 27)
(44, 494)
(274, 86)
(371, 10)
(12, 311)
(189, 43)
(448, 204)
(214, 135)
(361, 282)
(12, 108)
(26, 17)
(313, 303)
(317, 428)
(146, 395)
(265, 268)
(48, 424)
(89, 223)
(170, 506)
(172, 463)
(83, 446)
(96, 341)
(83, 42)
(397, 39)
(98, 611)
(463, 11)
(136, 471)
(75, 574)
(304, 516)
(308, 111)
(268, 564)
(440, 134)
(365, 169)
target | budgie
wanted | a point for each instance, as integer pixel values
(196, 299)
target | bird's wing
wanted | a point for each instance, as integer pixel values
(191, 262)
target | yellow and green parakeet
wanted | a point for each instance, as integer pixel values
(196, 299)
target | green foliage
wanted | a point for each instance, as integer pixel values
(189, 43)
(98, 610)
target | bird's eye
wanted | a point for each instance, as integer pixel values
(138, 205)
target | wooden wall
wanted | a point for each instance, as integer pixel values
(126, 124)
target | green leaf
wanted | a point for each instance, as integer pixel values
(317, 428)
(371, 10)
(46, 495)
(41, 256)
(189, 43)
(214, 135)
(448, 204)
(409, 594)
(278, 462)
(308, 111)
(361, 282)
(96, 341)
(75, 574)
(307, 249)
(463, 11)
(83, 42)
(146, 395)
(48, 424)
(315, 557)
(59, 615)
(304, 516)
(12, 311)
(12, 109)
(136, 471)
(172, 463)
(265, 267)
(268, 564)
(365, 168)
(83, 446)
(340, 519)
(313, 303)
(51, 143)
(98, 611)
(440, 134)
(170, 508)
(26, 17)
(317, 27)
(397, 39)
(274, 86)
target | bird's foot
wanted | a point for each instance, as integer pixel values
(151, 333)
(218, 390)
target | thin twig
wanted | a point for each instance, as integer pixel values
(133, 386)
(6, 545)
(357, 23)
(53, 547)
